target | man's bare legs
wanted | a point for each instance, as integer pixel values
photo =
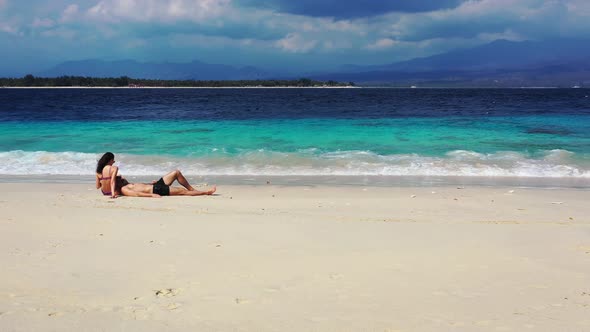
(178, 191)
(177, 175)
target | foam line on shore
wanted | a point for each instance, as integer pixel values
(309, 162)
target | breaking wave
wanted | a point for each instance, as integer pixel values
(552, 163)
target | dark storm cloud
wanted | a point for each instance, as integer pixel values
(351, 9)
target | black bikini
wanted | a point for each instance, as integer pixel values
(108, 193)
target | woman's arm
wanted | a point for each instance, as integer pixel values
(113, 181)
(98, 184)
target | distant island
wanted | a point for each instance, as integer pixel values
(124, 81)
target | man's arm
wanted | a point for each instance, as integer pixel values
(128, 192)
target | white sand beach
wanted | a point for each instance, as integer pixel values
(295, 258)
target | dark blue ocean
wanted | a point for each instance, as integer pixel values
(523, 133)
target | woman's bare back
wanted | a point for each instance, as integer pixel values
(105, 178)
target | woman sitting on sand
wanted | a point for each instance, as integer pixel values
(162, 187)
(106, 175)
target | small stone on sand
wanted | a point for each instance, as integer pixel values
(240, 301)
(168, 292)
(173, 306)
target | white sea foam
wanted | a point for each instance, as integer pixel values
(554, 163)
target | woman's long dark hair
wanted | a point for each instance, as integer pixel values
(120, 183)
(104, 160)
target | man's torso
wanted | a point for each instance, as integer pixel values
(140, 187)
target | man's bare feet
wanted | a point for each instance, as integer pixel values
(211, 191)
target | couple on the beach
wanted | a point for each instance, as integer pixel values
(113, 185)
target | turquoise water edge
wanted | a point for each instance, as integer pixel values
(529, 147)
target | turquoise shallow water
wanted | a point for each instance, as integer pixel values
(494, 146)
(428, 137)
(431, 137)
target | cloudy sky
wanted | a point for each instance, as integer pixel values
(297, 34)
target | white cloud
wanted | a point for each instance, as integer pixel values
(333, 45)
(70, 13)
(5, 27)
(344, 26)
(511, 19)
(135, 43)
(295, 43)
(381, 44)
(42, 23)
(60, 32)
(307, 26)
(196, 40)
(507, 34)
(158, 10)
(580, 7)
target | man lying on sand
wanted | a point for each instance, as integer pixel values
(161, 187)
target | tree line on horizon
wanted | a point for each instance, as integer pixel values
(124, 81)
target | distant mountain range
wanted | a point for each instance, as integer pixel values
(500, 54)
(500, 63)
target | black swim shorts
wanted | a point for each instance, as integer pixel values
(161, 188)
